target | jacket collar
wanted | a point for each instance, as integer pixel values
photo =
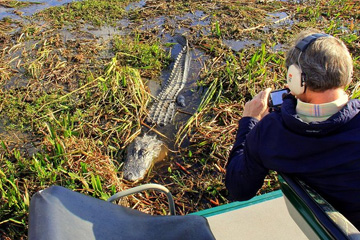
(294, 123)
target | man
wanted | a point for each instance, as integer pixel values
(316, 134)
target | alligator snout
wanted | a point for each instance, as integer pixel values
(141, 154)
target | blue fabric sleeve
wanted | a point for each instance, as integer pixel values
(244, 174)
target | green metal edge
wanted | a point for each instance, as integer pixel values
(304, 210)
(237, 205)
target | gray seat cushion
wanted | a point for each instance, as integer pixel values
(59, 213)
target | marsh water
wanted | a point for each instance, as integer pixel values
(30, 10)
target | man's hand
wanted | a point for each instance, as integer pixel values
(258, 106)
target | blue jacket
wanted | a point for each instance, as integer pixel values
(326, 155)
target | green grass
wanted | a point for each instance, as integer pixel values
(148, 57)
(97, 12)
(81, 128)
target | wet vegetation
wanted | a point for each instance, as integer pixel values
(15, 4)
(74, 92)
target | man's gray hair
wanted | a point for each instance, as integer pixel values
(326, 62)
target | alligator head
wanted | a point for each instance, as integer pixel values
(141, 154)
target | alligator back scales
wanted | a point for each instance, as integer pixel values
(163, 109)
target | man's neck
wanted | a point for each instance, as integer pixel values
(321, 97)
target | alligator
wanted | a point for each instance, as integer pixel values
(143, 151)
(163, 110)
(141, 154)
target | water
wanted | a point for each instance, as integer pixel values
(280, 18)
(106, 32)
(135, 5)
(154, 24)
(43, 4)
(187, 21)
(237, 45)
(279, 47)
(32, 9)
(198, 18)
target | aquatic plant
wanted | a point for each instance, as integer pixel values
(97, 12)
(15, 4)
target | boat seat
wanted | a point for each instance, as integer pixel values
(312, 213)
(59, 213)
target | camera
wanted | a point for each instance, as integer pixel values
(276, 98)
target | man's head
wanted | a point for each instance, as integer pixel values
(326, 62)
